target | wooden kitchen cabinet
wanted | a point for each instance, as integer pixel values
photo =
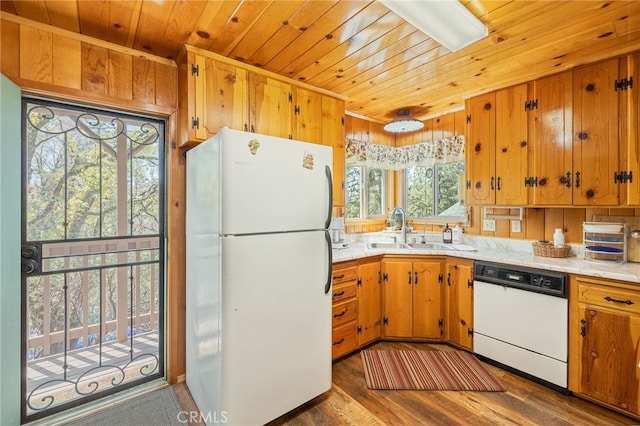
(307, 115)
(480, 158)
(497, 147)
(356, 305)
(459, 302)
(270, 106)
(630, 114)
(551, 138)
(412, 295)
(344, 309)
(213, 94)
(596, 150)
(512, 146)
(604, 342)
(369, 302)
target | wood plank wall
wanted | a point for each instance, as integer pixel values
(537, 223)
(62, 65)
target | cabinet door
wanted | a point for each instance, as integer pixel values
(512, 146)
(630, 131)
(611, 357)
(552, 140)
(333, 134)
(308, 116)
(595, 131)
(398, 296)
(369, 303)
(427, 299)
(459, 304)
(480, 149)
(270, 106)
(226, 96)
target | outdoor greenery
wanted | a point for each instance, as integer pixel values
(430, 191)
(80, 168)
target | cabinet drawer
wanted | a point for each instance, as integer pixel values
(344, 312)
(344, 291)
(344, 275)
(344, 339)
(615, 298)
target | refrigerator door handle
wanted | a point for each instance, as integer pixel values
(327, 286)
(327, 171)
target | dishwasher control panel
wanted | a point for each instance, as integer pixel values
(530, 279)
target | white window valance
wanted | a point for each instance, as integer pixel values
(446, 150)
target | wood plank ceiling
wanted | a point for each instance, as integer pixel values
(360, 50)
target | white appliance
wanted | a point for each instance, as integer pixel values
(521, 320)
(259, 261)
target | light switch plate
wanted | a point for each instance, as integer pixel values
(516, 226)
(489, 225)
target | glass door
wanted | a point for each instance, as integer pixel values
(92, 254)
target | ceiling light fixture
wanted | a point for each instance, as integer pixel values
(405, 124)
(446, 21)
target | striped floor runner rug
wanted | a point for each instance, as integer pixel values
(427, 370)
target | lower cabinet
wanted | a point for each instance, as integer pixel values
(459, 302)
(412, 297)
(356, 310)
(604, 342)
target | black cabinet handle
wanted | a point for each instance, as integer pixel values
(340, 314)
(339, 293)
(611, 299)
(491, 185)
(338, 277)
(409, 276)
(338, 342)
(577, 179)
(583, 327)
(498, 187)
(415, 274)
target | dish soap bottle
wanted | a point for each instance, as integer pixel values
(558, 238)
(447, 234)
(457, 234)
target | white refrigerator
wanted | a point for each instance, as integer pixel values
(258, 304)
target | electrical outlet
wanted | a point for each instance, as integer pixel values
(516, 226)
(488, 225)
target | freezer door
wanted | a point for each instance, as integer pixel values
(276, 324)
(271, 184)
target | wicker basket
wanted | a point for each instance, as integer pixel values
(548, 250)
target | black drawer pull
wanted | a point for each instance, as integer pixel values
(338, 342)
(340, 314)
(611, 299)
(337, 277)
(339, 293)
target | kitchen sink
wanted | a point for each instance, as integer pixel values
(388, 246)
(431, 246)
(418, 246)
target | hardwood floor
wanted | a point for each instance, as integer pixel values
(349, 402)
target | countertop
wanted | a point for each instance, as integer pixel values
(512, 252)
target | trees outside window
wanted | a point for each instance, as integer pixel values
(365, 192)
(435, 191)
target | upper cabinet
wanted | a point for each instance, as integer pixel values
(270, 106)
(596, 143)
(551, 136)
(333, 134)
(216, 92)
(213, 94)
(497, 148)
(563, 140)
(480, 149)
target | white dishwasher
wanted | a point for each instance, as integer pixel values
(521, 320)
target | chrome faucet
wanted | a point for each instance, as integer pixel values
(404, 227)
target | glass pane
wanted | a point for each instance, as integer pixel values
(420, 197)
(375, 192)
(353, 189)
(449, 186)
